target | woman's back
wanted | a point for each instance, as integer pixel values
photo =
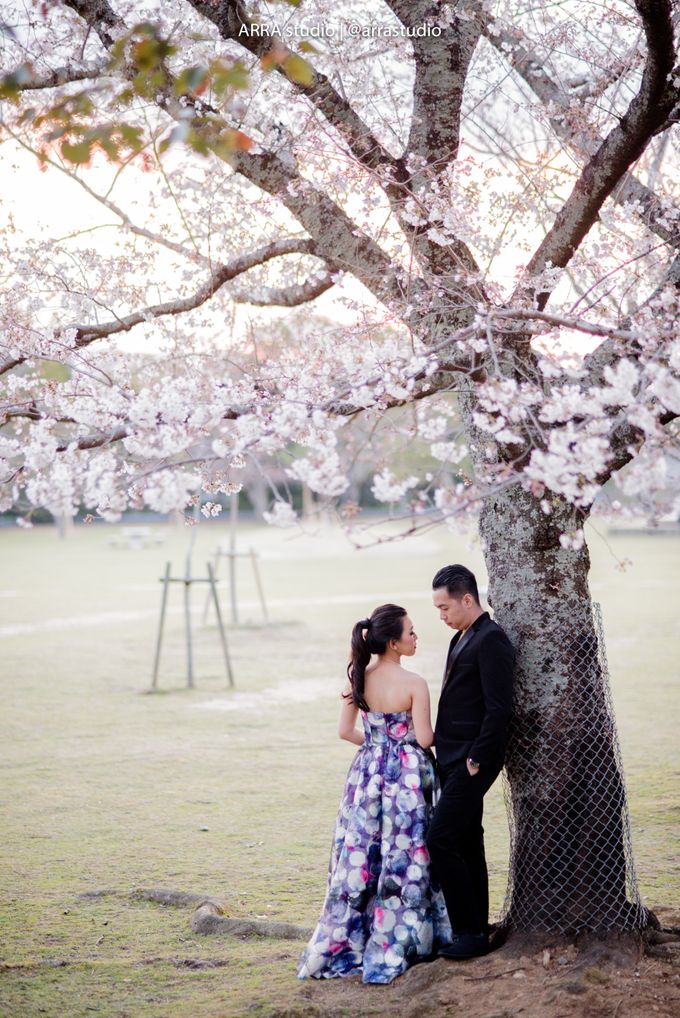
(389, 688)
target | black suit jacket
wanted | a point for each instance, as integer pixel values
(476, 699)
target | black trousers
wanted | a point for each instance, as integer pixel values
(455, 841)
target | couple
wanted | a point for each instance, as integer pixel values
(407, 877)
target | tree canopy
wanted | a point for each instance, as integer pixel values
(481, 199)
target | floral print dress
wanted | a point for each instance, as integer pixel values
(383, 911)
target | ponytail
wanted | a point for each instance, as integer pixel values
(371, 636)
(360, 656)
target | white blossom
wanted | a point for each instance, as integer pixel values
(622, 381)
(573, 539)
(209, 509)
(167, 490)
(386, 488)
(449, 452)
(282, 514)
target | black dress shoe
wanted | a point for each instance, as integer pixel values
(465, 945)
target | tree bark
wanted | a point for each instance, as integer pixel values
(571, 859)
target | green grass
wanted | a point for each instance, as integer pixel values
(106, 786)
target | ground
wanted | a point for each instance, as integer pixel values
(545, 984)
(232, 794)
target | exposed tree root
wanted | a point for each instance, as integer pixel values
(186, 963)
(27, 966)
(208, 916)
(586, 950)
(621, 950)
(168, 896)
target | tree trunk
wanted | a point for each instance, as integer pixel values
(571, 860)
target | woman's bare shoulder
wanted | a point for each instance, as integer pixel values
(413, 678)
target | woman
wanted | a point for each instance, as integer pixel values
(382, 912)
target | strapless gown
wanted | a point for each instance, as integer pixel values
(383, 910)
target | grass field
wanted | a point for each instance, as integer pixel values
(233, 794)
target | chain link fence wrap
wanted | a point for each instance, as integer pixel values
(571, 860)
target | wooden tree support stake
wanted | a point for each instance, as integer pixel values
(187, 580)
(232, 555)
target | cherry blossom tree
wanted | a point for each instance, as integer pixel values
(485, 197)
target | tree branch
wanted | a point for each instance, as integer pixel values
(289, 296)
(578, 324)
(441, 68)
(86, 334)
(625, 442)
(139, 231)
(233, 23)
(610, 351)
(645, 116)
(339, 405)
(653, 211)
(96, 441)
(442, 64)
(99, 15)
(61, 76)
(338, 240)
(532, 71)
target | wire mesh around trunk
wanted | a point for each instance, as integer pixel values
(571, 860)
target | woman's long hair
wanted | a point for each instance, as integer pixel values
(371, 636)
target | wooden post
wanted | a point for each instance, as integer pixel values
(187, 619)
(223, 635)
(233, 523)
(308, 503)
(208, 596)
(164, 601)
(258, 581)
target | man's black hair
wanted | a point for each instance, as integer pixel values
(458, 580)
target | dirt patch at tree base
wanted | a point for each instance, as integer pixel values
(562, 981)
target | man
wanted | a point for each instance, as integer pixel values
(470, 740)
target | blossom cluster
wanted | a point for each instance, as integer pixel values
(420, 395)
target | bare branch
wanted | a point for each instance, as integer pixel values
(100, 15)
(289, 296)
(338, 240)
(532, 71)
(233, 23)
(625, 442)
(608, 353)
(441, 67)
(62, 76)
(578, 324)
(139, 231)
(86, 334)
(646, 115)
